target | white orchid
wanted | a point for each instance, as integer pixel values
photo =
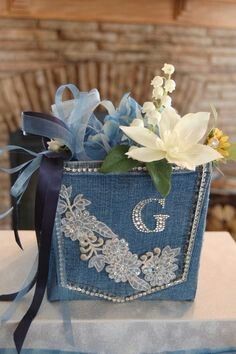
(178, 142)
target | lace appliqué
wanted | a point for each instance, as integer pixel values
(103, 249)
(160, 266)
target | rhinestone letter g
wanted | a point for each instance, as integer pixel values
(160, 218)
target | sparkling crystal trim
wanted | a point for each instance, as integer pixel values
(114, 298)
(160, 218)
(96, 169)
(93, 167)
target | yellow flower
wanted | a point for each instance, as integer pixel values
(219, 141)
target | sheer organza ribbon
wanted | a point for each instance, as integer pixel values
(69, 127)
(73, 118)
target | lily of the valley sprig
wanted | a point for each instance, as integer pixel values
(162, 138)
(162, 86)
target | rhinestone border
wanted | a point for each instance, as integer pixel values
(82, 167)
(187, 259)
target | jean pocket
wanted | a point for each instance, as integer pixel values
(115, 237)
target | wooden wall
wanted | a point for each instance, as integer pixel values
(212, 13)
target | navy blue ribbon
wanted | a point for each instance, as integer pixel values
(71, 133)
(15, 224)
(50, 127)
(49, 185)
(47, 194)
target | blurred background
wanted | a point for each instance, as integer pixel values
(118, 46)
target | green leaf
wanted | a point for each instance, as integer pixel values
(117, 161)
(160, 172)
(232, 152)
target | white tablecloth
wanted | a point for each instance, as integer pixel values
(138, 327)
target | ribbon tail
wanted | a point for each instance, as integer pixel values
(68, 329)
(17, 191)
(7, 212)
(51, 171)
(14, 208)
(24, 291)
(38, 218)
(15, 222)
(15, 169)
(16, 297)
(22, 181)
(15, 225)
(10, 148)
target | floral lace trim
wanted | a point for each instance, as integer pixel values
(103, 249)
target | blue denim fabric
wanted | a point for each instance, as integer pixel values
(113, 198)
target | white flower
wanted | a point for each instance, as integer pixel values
(55, 145)
(157, 81)
(157, 92)
(132, 147)
(178, 141)
(166, 101)
(148, 107)
(168, 69)
(137, 123)
(153, 117)
(170, 85)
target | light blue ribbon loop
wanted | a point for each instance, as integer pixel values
(21, 184)
(59, 98)
(9, 148)
(36, 124)
(15, 169)
(22, 181)
(77, 113)
(12, 171)
(81, 113)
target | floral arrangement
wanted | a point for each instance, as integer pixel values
(160, 137)
(152, 136)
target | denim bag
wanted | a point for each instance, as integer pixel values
(116, 238)
(104, 236)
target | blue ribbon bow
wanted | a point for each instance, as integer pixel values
(70, 124)
(69, 129)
